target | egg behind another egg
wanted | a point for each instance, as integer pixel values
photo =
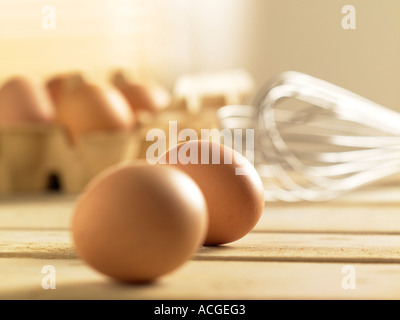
(136, 223)
(231, 186)
(143, 97)
(57, 85)
(93, 108)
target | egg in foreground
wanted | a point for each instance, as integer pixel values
(136, 223)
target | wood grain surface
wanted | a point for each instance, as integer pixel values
(297, 251)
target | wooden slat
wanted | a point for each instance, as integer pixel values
(204, 280)
(56, 213)
(37, 212)
(36, 244)
(331, 219)
(308, 248)
(253, 247)
(296, 251)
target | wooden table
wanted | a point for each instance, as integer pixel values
(343, 249)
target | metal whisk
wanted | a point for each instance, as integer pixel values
(315, 141)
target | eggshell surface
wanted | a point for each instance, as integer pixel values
(93, 108)
(232, 187)
(23, 101)
(142, 97)
(136, 223)
(59, 84)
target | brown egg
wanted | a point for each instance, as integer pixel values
(142, 97)
(59, 84)
(88, 108)
(136, 223)
(23, 101)
(232, 187)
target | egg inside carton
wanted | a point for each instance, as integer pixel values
(39, 156)
(25, 118)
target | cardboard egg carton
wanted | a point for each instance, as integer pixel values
(36, 159)
(76, 165)
(22, 155)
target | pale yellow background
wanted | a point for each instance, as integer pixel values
(168, 38)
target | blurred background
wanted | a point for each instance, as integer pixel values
(168, 38)
(165, 41)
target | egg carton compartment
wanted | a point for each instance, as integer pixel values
(23, 154)
(73, 166)
(41, 159)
